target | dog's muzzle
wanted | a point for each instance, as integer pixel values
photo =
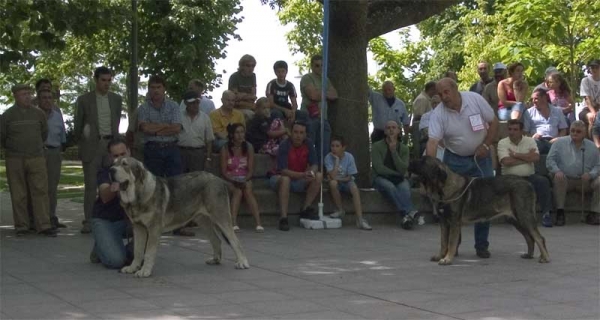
(123, 185)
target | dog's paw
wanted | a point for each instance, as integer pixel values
(527, 256)
(143, 273)
(435, 258)
(445, 262)
(130, 269)
(213, 261)
(242, 264)
(544, 259)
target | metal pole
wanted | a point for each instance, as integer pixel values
(324, 90)
(133, 69)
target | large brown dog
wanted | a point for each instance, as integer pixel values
(461, 199)
(156, 205)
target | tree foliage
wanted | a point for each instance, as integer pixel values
(65, 40)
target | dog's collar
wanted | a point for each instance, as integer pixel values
(462, 193)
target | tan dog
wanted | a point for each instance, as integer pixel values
(156, 205)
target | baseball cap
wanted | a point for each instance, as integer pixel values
(499, 66)
(550, 70)
(190, 96)
(594, 62)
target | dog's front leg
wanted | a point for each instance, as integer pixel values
(151, 248)
(444, 231)
(140, 235)
(453, 236)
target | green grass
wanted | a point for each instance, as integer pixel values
(70, 185)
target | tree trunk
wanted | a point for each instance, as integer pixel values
(348, 74)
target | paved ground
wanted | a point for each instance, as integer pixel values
(303, 274)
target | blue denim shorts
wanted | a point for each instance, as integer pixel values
(344, 187)
(295, 185)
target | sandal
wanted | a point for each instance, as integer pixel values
(236, 229)
(260, 229)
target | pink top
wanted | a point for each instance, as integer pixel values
(237, 166)
(510, 95)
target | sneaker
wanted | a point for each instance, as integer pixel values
(362, 224)
(284, 224)
(421, 220)
(560, 217)
(56, 224)
(338, 214)
(48, 233)
(309, 213)
(483, 253)
(407, 222)
(236, 229)
(86, 229)
(260, 229)
(547, 220)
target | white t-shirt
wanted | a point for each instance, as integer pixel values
(462, 131)
(590, 88)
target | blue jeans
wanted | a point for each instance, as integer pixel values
(541, 185)
(162, 161)
(466, 166)
(399, 194)
(218, 143)
(313, 130)
(543, 145)
(108, 242)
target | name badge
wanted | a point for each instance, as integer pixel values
(476, 122)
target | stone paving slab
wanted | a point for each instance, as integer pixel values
(304, 274)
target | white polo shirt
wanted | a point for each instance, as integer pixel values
(521, 170)
(464, 131)
(197, 132)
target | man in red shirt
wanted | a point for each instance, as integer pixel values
(297, 171)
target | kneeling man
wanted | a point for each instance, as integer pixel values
(109, 221)
(297, 168)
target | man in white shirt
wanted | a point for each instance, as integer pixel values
(196, 137)
(206, 105)
(517, 154)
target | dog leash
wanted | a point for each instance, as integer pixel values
(462, 193)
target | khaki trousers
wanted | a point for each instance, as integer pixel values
(90, 176)
(28, 175)
(53, 167)
(560, 189)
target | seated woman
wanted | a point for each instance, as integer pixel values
(390, 164)
(237, 163)
(508, 106)
(560, 96)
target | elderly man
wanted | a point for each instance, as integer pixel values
(483, 70)
(196, 136)
(385, 107)
(424, 102)
(310, 89)
(206, 105)
(467, 125)
(97, 120)
(574, 163)
(24, 129)
(52, 149)
(546, 122)
(297, 171)
(517, 155)
(223, 117)
(490, 92)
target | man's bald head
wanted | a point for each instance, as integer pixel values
(447, 89)
(447, 83)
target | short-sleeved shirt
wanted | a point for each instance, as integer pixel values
(456, 129)
(590, 88)
(421, 105)
(316, 81)
(257, 131)
(168, 113)
(424, 123)
(347, 165)
(220, 121)
(196, 132)
(296, 158)
(383, 112)
(56, 129)
(521, 170)
(547, 127)
(206, 105)
(281, 93)
(241, 83)
(111, 210)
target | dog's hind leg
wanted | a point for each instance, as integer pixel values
(140, 236)
(215, 241)
(151, 248)
(541, 242)
(232, 239)
(444, 232)
(528, 238)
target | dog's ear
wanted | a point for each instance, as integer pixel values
(138, 171)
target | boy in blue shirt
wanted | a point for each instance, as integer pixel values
(340, 168)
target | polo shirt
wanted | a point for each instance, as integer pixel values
(547, 127)
(168, 113)
(296, 158)
(220, 121)
(196, 132)
(521, 170)
(455, 129)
